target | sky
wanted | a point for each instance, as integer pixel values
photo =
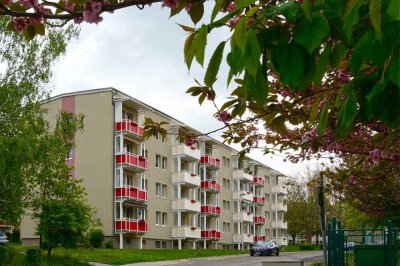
(140, 52)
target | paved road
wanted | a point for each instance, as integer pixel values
(239, 260)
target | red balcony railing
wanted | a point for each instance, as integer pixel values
(212, 161)
(131, 193)
(211, 185)
(259, 200)
(131, 160)
(131, 225)
(259, 238)
(258, 181)
(210, 234)
(259, 219)
(130, 127)
(211, 210)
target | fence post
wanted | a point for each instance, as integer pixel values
(335, 242)
(330, 262)
(340, 244)
(390, 244)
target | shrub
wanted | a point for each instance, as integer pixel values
(320, 263)
(109, 244)
(306, 247)
(7, 255)
(33, 257)
(45, 244)
(8, 234)
(96, 237)
(16, 236)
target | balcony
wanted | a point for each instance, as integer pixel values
(186, 205)
(131, 226)
(279, 224)
(131, 193)
(281, 241)
(259, 238)
(186, 232)
(280, 207)
(247, 238)
(280, 190)
(211, 234)
(130, 128)
(259, 219)
(241, 175)
(211, 186)
(211, 162)
(247, 195)
(258, 200)
(243, 217)
(189, 153)
(131, 161)
(186, 178)
(210, 210)
(258, 181)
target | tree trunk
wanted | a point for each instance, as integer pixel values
(49, 251)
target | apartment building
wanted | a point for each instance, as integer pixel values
(162, 192)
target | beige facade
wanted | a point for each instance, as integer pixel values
(161, 193)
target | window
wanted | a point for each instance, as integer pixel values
(164, 244)
(228, 184)
(228, 228)
(161, 162)
(158, 244)
(228, 205)
(161, 190)
(161, 137)
(223, 182)
(69, 153)
(161, 218)
(224, 227)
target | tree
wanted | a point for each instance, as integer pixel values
(26, 68)
(59, 205)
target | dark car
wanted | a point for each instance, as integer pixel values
(3, 238)
(264, 248)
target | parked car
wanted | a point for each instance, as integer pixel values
(3, 238)
(349, 246)
(265, 248)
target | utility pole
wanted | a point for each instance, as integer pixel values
(322, 221)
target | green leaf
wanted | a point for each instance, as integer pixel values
(377, 88)
(322, 63)
(307, 6)
(40, 29)
(239, 35)
(217, 8)
(323, 119)
(310, 34)
(243, 3)
(252, 53)
(228, 104)
(175, 11)
(29, 33)
(199, 44)
(202, 97)
(213, 66)
(235, 60)
(393, 72)
(230, 76)
(375, 7)
(346, 115)
(186, 28)
(260, 91)
(338, 53)
(393, 9)
(196, 12)
(314, 110)
(10, 26)
(188, 50)
(351, 17)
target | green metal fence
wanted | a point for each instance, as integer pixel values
(363, 247)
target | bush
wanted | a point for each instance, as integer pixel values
(320, 263)
(33, 257)
(16, 236)
(7, 255)
(8, 235)
(45, 244)
(96, 236)
(110, 244)
(306, 247)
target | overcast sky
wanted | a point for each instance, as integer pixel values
(141, 54)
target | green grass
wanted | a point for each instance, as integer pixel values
(296, 248)
(124, 256)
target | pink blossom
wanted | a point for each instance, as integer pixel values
(233, 21)
(170, 3)
(96, 7)
(224, 116)
(78, 20)
(351, 180)
(42, 10)
(91, 17)
(69, 6)
(284, 93)
(27, 3)
(19, 24)
(231, 7)
(34, 21)
(188, 6)
(375, 155)
(343, 76)
(7, 2)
